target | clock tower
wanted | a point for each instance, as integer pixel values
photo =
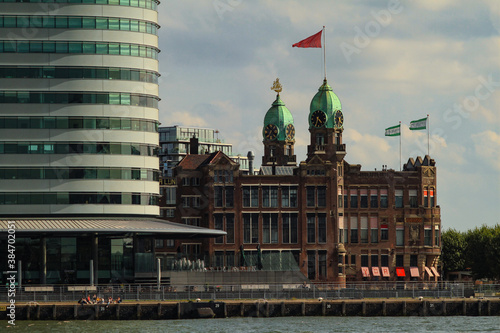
(326, 124)
(278, 133)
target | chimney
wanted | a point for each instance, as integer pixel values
(250, 156)
(193, 145)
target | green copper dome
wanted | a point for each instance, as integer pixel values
(279, 116)
(326, 101)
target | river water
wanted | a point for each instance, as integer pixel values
(271, 325)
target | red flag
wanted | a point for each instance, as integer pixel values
(313, 41)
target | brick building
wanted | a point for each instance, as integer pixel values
(323, 216)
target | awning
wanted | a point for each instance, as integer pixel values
(414, 272)
(400, 271)
(375, 271)
(385, 272)
(365, 271)
(434, 270)
(428, 271)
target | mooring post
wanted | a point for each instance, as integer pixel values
(424, 308)
(225, 309)
(138, 311)
(343, 308)
(488, 307)
(267, 309)
(444, 308)
(96, 311)
(384, 308)
(363, 308)
(303, 308)
(282, 309)
(54, 312)
(479, 306)
(404, 308)
(178, 310)
(323, 308)
(75, 312)
(464, 308)
(159, 310)
(242, 309)
(257, 309)
(117, 311)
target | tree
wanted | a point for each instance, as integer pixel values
(453, 250)
(482, 253)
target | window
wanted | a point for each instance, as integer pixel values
(159, 243)
(383, 198)
(191, 221)
(426, 198)
(322, 264)
(289, 196)
(229, 196)
(374, 260)
(413, 260)
(195, 181)
(354, 198)
(250, 196)
(427, 235)
(321, 196)
(364, 229)
(399, 260)
(354, 229)
(341, 229)
(399, 198)
(169, 212)
(218, 196)
(363, 198)
(219, 225)
(353, 259)
(384, 260)
(230, 228)
(339, 194)
(436, 235)
(400, 232)
(384, 231)
(431, 194)
(196, 201)
(269, 196)
(270, 228)
(185, 181)
(311, 265)
(289, 224)
(321, 228)
(373, 229)
(373, 199)
(185, 202)
(250, 228)
(413, 198)
(311, 228)
(310, 196)
(364, 260)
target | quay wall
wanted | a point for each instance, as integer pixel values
(261, 308)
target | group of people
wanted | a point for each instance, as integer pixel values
(99, 300)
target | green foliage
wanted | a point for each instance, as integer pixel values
(453, 250)
(477, 249)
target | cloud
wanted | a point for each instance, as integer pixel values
(487, 148)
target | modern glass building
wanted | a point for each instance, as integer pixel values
(79, 108)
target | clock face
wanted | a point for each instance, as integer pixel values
(318, 118)
(339, 119)
(290, 132)
(271, 131)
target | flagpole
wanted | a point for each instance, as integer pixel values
(400, 135)
(428, 134)
(324, 51)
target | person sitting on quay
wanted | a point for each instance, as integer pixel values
(118, 300)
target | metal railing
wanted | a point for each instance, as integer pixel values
(145, 292)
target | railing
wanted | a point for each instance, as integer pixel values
(145, 292)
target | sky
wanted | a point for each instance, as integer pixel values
(387, 61)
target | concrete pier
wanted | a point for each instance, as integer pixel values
(267, 308)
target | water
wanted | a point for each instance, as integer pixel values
(269, 325)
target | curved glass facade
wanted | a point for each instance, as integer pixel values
(78, 47)
(71, 198)
(62, 97)
(77, 22)
(148, 4)
(80, 173)
(127, 124)
(76, 121)
(47, 147)
(64, 72)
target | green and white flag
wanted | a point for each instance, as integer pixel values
(393, 131)
(418, 124)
